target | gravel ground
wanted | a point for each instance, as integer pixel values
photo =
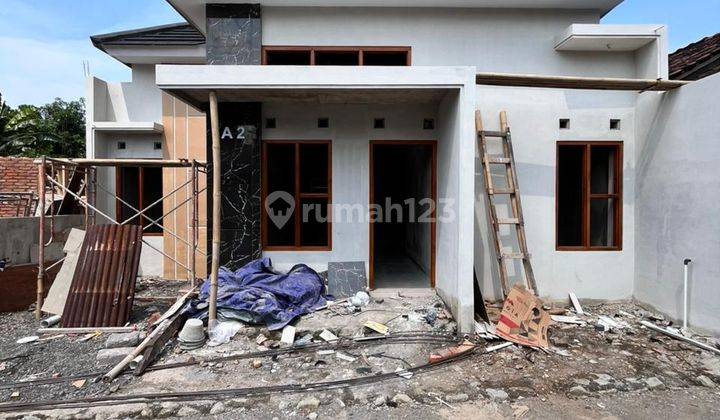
(67, 355)
(630, 372)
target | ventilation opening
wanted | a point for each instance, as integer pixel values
(614, 124)
(337, 58)
(157, 145)
(270, 123)
(429, 124)
(564, 123)
(379, 123)
(385, 58)
(323, 122)
(287, 58)
(121, 145)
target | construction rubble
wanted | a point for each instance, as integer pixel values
(389, 354)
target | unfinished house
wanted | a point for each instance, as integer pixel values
(338, 118)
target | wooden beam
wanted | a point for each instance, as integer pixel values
(181, 163)
(566, 82)
(217, 197)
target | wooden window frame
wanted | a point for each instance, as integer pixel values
(118, 205)
(360, 50)
(299, 196)
(588, 196)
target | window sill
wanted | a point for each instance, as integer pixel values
(583, 249)
(297, 249)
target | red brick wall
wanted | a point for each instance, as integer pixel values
(16, 175)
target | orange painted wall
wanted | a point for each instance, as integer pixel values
(184, 137)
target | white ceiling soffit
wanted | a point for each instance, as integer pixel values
(153, 54)
(194, 10)
(588, 37)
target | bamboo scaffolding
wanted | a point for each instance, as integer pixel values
(90, 209)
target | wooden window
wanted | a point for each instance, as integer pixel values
(336, 56)
(140, 187)
(298, 172)
(589, 196)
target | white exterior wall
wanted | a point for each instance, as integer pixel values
(678, 188)
(351, 129)
(493, 40)
(137, 101)
(533, 116)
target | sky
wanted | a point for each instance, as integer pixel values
(43, 43)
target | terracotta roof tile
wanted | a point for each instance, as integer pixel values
(697, 60)
(16, 175)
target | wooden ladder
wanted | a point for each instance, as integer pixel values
(512, 190)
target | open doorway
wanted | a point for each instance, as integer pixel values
(403, 193)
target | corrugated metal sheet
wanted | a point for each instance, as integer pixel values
(103, 287)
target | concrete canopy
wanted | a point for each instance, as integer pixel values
(194, 11)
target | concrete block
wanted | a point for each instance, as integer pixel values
(113, 356)
(131, 339)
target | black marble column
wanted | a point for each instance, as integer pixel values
(234, 37)
(240, 160)
(234, 34)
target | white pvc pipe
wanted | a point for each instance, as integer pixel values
(685, 284)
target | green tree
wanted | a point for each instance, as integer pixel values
(56, 129)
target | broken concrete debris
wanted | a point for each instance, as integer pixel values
(130, 339)
(328, 336)
(288, 335)
(338, 359)
(113, 356)
(567, 319)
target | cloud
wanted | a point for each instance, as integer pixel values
(36, 72)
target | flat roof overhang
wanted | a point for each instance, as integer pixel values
(607, 38)
(194, 10)
(312, 84)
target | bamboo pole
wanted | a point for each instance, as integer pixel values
(217, 197)
(193, 226)
(41, 240)
(570, 82)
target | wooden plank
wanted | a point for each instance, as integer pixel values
(497, 160)
(513, 221)
(157, 344)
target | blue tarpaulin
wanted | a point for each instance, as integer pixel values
(268, 297)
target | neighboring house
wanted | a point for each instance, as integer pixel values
(697, 60)
(18, 187)
(333, 107)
